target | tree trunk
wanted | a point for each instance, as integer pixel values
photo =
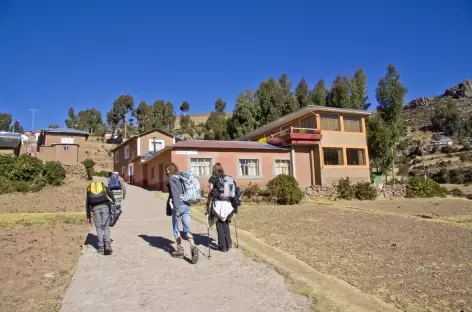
(424, 168)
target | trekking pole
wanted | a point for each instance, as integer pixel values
(208, 236)
(236, 231)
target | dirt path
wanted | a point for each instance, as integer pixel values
(142, 276)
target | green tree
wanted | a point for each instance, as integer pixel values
(245, 115)
(302, 93)
(185, 121)
(319, 95)
(118, 114)
(381, 139)
(339, 96)
(90, 120)
(447, 118)
(5, 121)
(390, 95)
(17, 127)
(359, 90)
(72, 120)
(216, 126)
(185, 107)
(163, 116)
(143, 115)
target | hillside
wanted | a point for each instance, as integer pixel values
(197, 118)
(98, 152)
(419, 111)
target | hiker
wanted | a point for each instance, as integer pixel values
(98, 202)
(181, 210)
(117, 185)
(221, 191)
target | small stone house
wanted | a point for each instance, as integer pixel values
(63, 145)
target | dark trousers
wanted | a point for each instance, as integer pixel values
(224, 235)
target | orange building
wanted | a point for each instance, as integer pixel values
(317, 145)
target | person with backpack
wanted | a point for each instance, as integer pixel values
(184, 190)
(98, 202)
(222, 190)
(117, 185)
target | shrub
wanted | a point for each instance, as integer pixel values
(54, 173)
(7, 164)
(465, 156)
(6, 185)
(252, 190)
(89, 164)
(456, 177)
(442, 176)
(284, 189)
(27, 168)
(102, 173)
(365, 191)
(457, 193)
(418, 187)
(21, 186)
(345, 189)
(447, 149)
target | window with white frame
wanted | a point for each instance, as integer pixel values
(123, 170)
(282, 166)
(117, 157)
(65, 148)
(126, 151)
(201, 166)
(248, 168)
(156, 145)
(67, 139)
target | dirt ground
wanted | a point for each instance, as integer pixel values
(66, 198)
(417, 264)
(36, 265)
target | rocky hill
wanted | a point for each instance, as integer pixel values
(419, 111)
(99, 153)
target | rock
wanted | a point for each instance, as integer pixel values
(462, 90)
(49, 275)
(418, 102)
(320, 191)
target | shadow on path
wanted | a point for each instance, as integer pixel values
(159, 242)
(91, 240)
(202, 240)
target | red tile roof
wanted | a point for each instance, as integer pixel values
(197, 144)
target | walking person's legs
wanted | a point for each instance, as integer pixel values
(221, 235)
(185, 218)
(179, 252)
(229, 242)
(97, 219)
(106, 231)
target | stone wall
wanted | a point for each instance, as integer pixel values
(385, 191)
(392, 191)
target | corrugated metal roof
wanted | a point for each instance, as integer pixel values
(10, 139)
(65, 130)
(297, 114)
(197, 144)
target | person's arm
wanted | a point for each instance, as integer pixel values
(88, 210)
(175, 190)
(110, 194)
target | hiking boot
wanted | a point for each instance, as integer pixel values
(194, 251)
(179, 253)
(108, 250)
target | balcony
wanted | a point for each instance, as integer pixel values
(295, 136)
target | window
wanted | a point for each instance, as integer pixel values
(355, 156)
(67, 139)
(117, 157)
(333, 156)
(282, 166)
(201, 166)
(153, 172)
(249, 167)
(308, 122)
(123, 170)
(126, 151)
(65, 148)
(352, 124)
(156, 145)
(329, 122)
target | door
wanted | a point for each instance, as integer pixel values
(160, 181)
(130, 173)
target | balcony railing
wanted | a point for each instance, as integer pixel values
(293, 135)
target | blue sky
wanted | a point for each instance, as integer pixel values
(60, 54)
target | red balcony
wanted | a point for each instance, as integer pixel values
(295, 136)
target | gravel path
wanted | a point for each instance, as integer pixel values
(142, 276)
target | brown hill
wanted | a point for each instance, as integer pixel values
(419, 111)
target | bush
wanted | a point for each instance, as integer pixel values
(447, 149)
(442, 176)
(54, 173)
(457, 193)
(89, 164)
(456, 177)
(27, 168)
(418, 187)
(365, 191)
(7, 164)
(465, 156)
(102, 173)
(6, 185)
(21, 186)
(284, 189)
(252, 190)
(345, 189)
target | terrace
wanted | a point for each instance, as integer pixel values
(295, 136)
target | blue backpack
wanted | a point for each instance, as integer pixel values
(114, 182)
(191, 186)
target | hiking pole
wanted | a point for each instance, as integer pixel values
(236, 231)
(208, 236)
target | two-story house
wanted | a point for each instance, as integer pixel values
(126, 154)
(317, 145)
(62, 144)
